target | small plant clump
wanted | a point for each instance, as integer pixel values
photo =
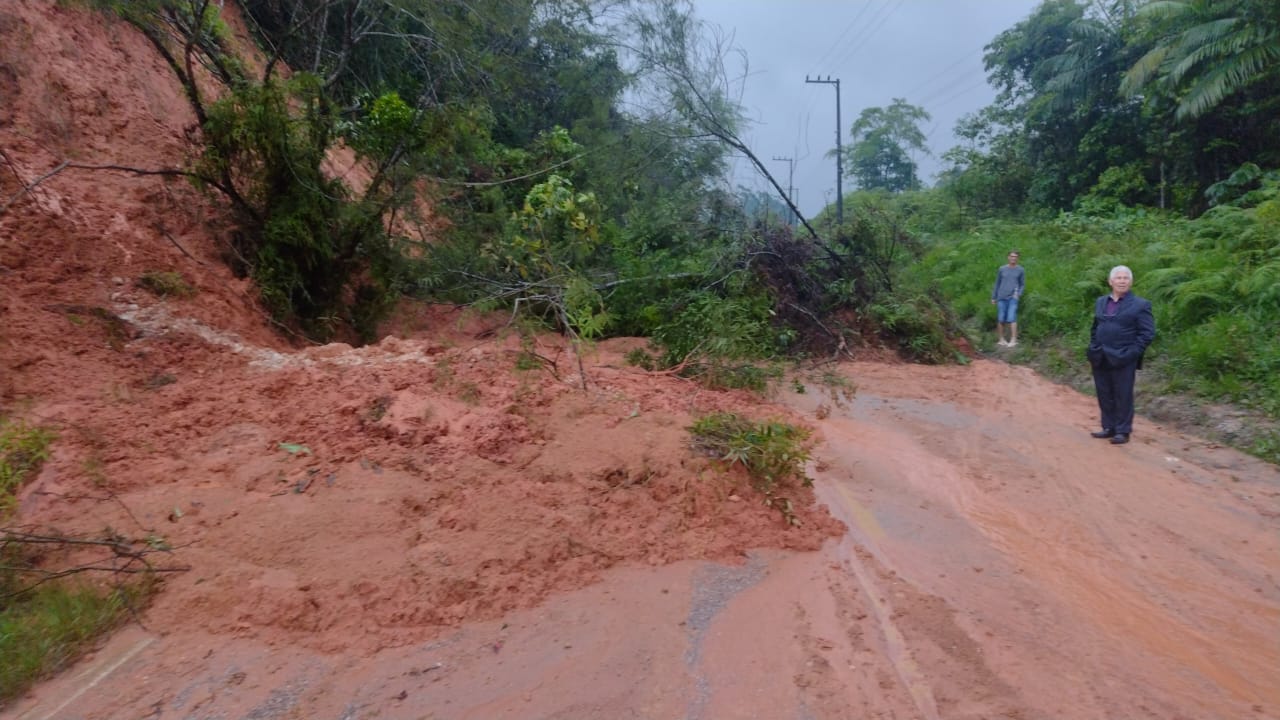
(23, 448)
(166, 283)
(773, 453)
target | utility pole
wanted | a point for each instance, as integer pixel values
(791, 190)
(839, 148)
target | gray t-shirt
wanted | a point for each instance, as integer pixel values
(1009, 282)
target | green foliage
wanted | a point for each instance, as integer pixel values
(306, 242)
(1117, 187)
(556, 230)
(639, 357)
(1245, 178)
(388, 123)
(919, 323)
(23, 448)
(584, 309)
(1110, 104)
(773, 453)
(1267, 447)
(706, 324)
(1203, 52)
(719, 374)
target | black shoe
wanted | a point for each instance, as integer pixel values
(1120, 439)
(1103, 434)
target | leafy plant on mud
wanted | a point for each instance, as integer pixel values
(773, 453)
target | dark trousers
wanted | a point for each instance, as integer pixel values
(1115, 396)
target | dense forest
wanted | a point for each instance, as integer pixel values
(565, 160)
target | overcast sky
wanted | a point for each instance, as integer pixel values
(928, 52)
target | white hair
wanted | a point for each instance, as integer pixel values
(1117, 270)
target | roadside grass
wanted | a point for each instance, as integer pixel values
(42, 627)
(44, 630)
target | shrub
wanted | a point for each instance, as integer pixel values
(773, 453)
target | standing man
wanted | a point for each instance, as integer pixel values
(1010, 281)
(1123, 327)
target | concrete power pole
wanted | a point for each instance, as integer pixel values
(791, 189)
(839, 149)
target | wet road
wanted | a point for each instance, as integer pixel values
(1080, 579)
(999, 564)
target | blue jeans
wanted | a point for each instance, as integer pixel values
(1007, 310)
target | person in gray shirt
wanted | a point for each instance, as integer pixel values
(1010, 282)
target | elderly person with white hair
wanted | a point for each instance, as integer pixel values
(1123, 327)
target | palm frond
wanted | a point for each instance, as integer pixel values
(1210, 88)
(1208, 33)
(1207, 92)
(1143, 71)
(1164, 9)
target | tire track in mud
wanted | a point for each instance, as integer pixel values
(864, 524)
(941, 668)
(1018, 568)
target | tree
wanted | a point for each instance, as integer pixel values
(990, 173)
(1207, 50)
(878, 158)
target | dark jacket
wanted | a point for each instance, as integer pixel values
(1121, 339)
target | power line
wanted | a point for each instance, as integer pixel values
(942, 72)
(957, 94)
(866, 31)
(871, 33)
(835, 43)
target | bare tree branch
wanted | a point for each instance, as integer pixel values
(27, 188)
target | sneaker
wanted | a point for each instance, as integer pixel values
(1012, 343)
(1003, 342)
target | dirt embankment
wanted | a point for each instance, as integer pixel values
(342, 500)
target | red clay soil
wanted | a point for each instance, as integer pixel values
(421, 529)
